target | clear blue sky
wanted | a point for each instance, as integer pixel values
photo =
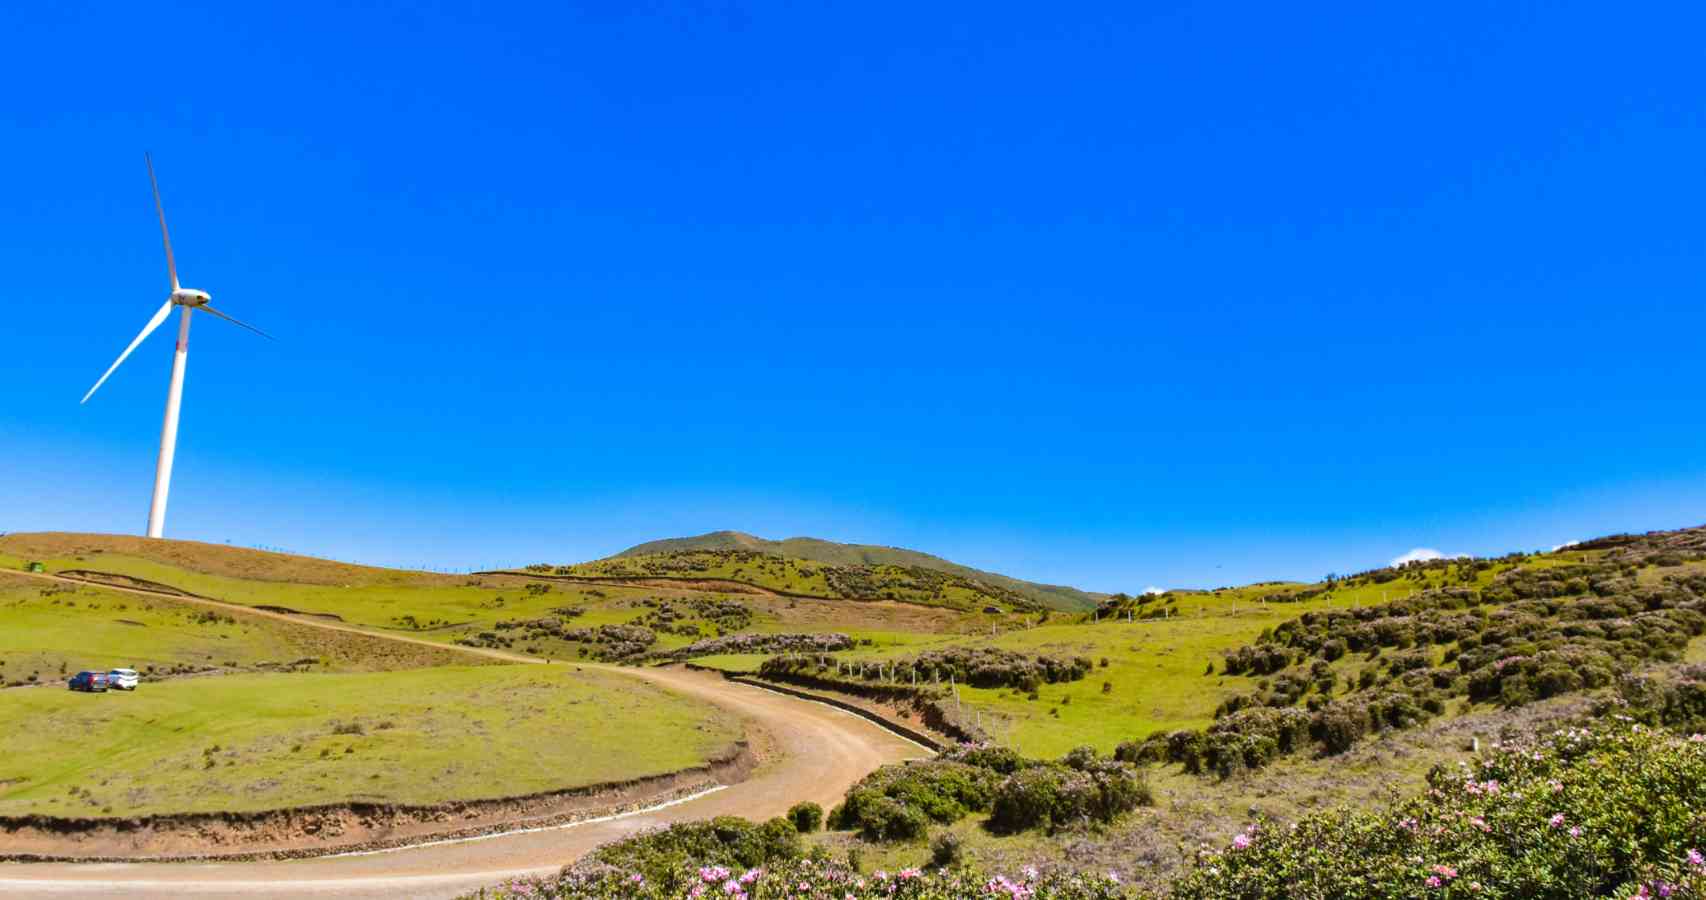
(1113, 295)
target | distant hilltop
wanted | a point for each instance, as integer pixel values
(832, 553)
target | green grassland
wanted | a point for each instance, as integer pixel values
(253, 742)
(1156, 667)
(50, 630)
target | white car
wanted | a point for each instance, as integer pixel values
(123, 679)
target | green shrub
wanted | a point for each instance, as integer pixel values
(885, 804)
(806, 816)
(946, 849)
(1081, 789)
(888, 819)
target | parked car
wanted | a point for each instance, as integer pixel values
(88, 681)
(123, 679)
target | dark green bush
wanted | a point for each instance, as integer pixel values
(806, 816)
(886, 804)
(1081, 789)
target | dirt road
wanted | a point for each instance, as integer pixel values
(818, 752)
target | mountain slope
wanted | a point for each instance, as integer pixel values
(832, 553)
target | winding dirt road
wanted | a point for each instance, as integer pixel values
(817, 752)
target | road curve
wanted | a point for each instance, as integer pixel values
(818, 751)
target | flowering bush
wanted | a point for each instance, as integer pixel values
(665, 858)
(1613, 812)
(810, 879)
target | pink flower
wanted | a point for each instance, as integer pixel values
(1241, 842)
(1575, 831)
(1445, 872)
(1433, 881)
(1696, 860)
(1557, 820)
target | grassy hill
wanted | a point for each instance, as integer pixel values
(1400, 645)
(49, 631)
(803, 578)
(1049, 596)
(245, 709)
(1274, 695)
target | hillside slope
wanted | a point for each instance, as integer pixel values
(817, 550)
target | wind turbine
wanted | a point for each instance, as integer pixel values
(191, 300)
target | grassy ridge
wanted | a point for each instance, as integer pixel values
(908, 584)
(49, 630)
(252, 742)
(1049, 595)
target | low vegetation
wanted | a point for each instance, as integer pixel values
(900, 802)
(1579, 813)
(811, 878)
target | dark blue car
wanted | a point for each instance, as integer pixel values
(88, 681)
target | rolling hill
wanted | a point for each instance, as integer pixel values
(832, 553)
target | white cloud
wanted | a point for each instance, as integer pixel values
(1420, 554)
(1563, 545)
(1152, 589)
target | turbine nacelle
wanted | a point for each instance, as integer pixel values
(189, 297)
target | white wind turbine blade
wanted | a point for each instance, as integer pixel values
(148, 329)
(208, 309)
(171, 267)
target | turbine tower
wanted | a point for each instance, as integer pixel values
(191, 300)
